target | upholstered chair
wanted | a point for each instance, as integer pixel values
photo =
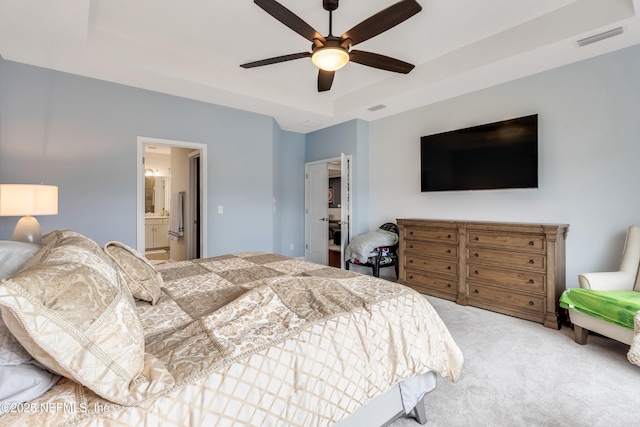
(613, 283)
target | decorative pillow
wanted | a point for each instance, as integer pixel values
(13, 255)
(143, 279)
(73, 313)
(49, 240)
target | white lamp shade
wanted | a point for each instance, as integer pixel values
(330, 58)
(27, 199)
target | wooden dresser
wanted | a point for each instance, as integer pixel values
(511, 268)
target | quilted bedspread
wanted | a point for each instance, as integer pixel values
(262, 339)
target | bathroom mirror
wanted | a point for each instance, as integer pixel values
(155, 194)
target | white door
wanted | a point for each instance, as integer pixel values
(316, 213)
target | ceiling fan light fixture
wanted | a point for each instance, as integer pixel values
(330, 58)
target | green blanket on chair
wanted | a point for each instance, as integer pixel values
(617, 307)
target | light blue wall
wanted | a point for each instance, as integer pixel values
(290, 202)
(589, 146)
(80, 134)
(349, 138)
(276, 161)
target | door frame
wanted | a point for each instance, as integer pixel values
(346, 215)
(192, 220)
(140, 168)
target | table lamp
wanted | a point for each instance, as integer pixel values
(26, 200)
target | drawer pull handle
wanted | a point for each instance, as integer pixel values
(476, 255)
(476, 238)
(476, 272)
(411, 277)
(531, 303)
(411, 246)
(448, 251)
(448, 236)
(411, 232)
(448, 267)
(532, 281)
(531, 261)
(475, 291)
(410, 261)
(531, 243)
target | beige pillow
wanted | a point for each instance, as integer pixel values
(49, 241)
(141, 277)
(73, 313)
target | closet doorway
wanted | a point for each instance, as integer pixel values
(171, 195)
(328, 210)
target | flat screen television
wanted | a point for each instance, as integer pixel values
(498, 155)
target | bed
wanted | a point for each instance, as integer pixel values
(241, 339)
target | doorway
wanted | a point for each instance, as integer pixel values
(328, 210)
(171, 194)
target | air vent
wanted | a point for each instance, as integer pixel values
(309, 124)
(377, 107)
(601, 36)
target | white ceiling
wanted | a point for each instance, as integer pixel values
(193, 49)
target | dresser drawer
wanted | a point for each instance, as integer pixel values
(531, 261)
(431, 285)
(488, 297)
(511, 279)
(431, 249)
(431, 234)
(431, 265)
(510, 241)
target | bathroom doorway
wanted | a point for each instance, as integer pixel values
(171, 200)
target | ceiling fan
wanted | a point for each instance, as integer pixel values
(330, 53)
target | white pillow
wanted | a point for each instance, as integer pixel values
(11, 351)
(23, 383)
(21, 377)
(13, 255)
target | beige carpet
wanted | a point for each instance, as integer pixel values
(519, 373)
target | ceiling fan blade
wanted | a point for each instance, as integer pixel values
(276, 59)
(325, 80)
(380, 61)
(382, 21)
(290, 19)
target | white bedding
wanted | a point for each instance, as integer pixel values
(360, 247)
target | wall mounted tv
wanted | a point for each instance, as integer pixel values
(498, 155)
